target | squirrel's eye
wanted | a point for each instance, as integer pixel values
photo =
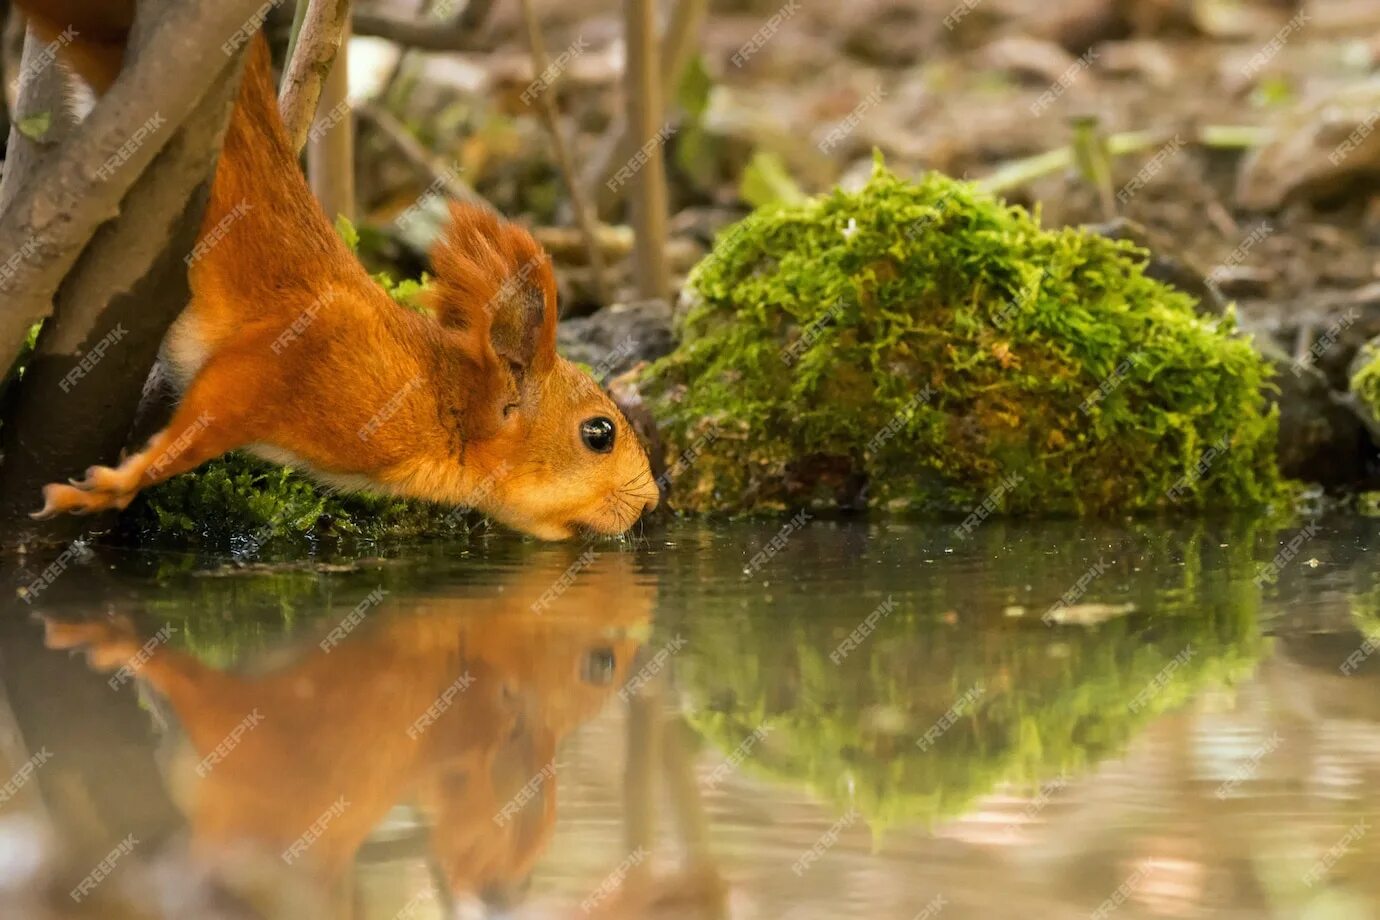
(597, 433)
(599, 666)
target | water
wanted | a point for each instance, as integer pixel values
(757, 720)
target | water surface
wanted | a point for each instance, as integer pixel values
(749, 720)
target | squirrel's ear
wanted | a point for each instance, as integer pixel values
(492, 276)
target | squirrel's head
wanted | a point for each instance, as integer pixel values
(545, 448)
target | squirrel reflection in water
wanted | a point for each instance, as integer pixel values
(455, 704)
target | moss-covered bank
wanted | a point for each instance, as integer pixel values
(939, 346)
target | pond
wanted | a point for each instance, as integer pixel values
(790, 718)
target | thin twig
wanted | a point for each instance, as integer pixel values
(584, 215)
(416, 153)
(418, 33)
(314, 51)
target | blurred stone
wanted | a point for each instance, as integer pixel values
(618, 337)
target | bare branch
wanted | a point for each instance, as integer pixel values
(584, 215)
(415, 152)
(419, 33)
(313, 53)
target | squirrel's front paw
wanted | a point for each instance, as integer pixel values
(80, 498)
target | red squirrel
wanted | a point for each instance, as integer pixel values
(289, 350)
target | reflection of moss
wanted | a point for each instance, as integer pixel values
(932, 340)
(1366, 382)
(243, 503)
(1053, 700)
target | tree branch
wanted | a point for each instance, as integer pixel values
(584, 215)
(645, 113)
(80, 185)
(313, 54)
(419, 33)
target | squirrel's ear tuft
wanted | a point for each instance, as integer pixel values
(492, 275)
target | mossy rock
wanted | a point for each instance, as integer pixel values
(940, 347)
(1365, 384)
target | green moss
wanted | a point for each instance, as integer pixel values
(1365, 384)
(932, 341)
(245, 504)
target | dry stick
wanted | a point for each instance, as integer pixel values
(79, 185)
(617, 147)
(331, 150)
(418, 33)
(584, 216)
(313, 53)
(645, 112)
(416, 153)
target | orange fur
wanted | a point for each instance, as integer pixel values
(334, 723)
(290, 350)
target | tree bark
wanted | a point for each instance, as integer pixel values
(419, 33)
(80, 186)
(331, 150)
(81, 389)
(318, 42)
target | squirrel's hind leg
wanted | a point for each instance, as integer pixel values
(212, 419)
